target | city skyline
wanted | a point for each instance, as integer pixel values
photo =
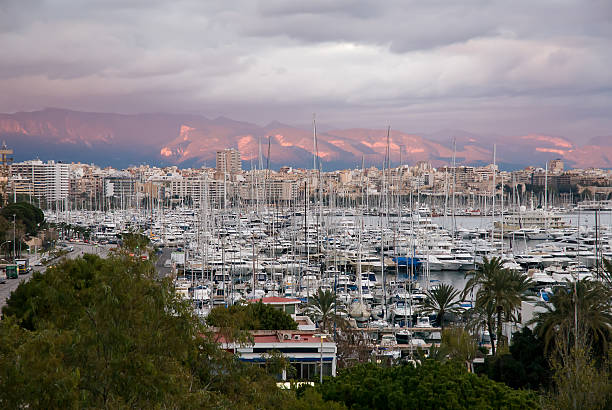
(53, 183)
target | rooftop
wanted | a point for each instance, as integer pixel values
(284, 336)
(275, 300)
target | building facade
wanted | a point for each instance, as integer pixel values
(228, 161)
(48, 181)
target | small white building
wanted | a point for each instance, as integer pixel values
(307, 351)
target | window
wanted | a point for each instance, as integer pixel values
(308, 371)
(305, 371)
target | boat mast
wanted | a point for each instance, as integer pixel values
(502, 214)
(445, 197)
(317, 176)
(382, 240)
(454, 182)
(546, 187)
(493, 197)
(260, 168)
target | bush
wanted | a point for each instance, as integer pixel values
(433, 385)
(526, 366)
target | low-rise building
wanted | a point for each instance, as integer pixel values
(307, 351)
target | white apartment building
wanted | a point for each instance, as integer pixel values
(199, 188)
(43, 180)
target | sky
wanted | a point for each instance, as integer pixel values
(488, 67)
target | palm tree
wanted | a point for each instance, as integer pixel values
(506, 290)
(586, 304)
(487, 268)
(499, 291)
(478, 276)
(324, 310)
(441, 300)
(480, 318)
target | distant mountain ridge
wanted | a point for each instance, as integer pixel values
(191, 140)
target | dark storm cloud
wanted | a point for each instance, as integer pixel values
(488, 66)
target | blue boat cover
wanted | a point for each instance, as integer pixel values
(404, 261)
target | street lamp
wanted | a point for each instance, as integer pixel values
(321, 337)
(4, 243)
(14, 240)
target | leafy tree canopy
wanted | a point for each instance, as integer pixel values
(105, 333)
(31, 216)
(526, 366)
(251, 316)
(432, 385)
(134, 241)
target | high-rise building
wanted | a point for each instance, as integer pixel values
(120, 186)
(50, 180)
(555, 166)
(228, 161)
(5, 162)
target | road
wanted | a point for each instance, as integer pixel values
(79, 249)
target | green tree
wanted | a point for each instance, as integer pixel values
(432, 385)
(483, 310)
(324, 310)
(106, 333)
(459, 345)
(607, 272)
(498, 291)
(441, 300)
(135, 242)
(250, 316)
(479, 319)
(311, 399)
(29, 215)
(277, 363)
(578, 383)
(585, 303)
(119, 336)
(525, 366)
(28, 222)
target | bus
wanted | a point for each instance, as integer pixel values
(23, 266)
(11, 271)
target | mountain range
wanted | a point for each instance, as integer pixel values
(192, 140)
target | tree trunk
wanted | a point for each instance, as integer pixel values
(490, 326)
(499, 326)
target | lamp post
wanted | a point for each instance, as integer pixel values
(4, 243)
(321, 337)
(14, 240)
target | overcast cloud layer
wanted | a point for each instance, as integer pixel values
(491, 67)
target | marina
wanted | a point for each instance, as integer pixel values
(306, 205)
(379, 266)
